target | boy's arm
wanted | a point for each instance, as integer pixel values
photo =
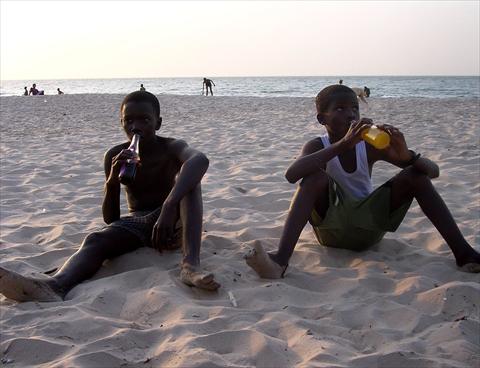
(111, 198)
(398, 154)
(315, 157)
(194, 166)
(310, 160)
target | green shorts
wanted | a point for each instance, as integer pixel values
(356, 224)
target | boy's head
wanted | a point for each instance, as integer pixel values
(337, 107)
(140, 113)
(327, 95)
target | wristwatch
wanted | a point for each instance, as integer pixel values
(415, 157)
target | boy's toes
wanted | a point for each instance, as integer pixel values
(254, 252)
(251, 253)
(262, 264)
(207, 282)
(192, 276)
(206, 279)
(470, 262)
(470, 267)
(210, 285)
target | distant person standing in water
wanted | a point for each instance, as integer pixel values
(362, 94)
(25, 93)
(34, 91)
(207, 83)
(59, 92)
(142, 88)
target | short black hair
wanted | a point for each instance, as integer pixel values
(142, 96)
(326, 96)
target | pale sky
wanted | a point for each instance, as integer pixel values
(124, 39)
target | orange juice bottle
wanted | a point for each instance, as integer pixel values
(376, 137)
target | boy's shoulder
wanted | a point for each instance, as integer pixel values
(177, 143)
(313, 145)
(171, 145)
(115, 150)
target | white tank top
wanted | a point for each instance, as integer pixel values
(358, 183)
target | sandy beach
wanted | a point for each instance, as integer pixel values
(402, 303)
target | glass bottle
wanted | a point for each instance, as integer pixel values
(129, 169)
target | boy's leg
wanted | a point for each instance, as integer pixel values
(410, 183)
(83, 264)
(96, 248)
(191, 215)
(311, 193)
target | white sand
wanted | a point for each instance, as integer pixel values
(401, 304)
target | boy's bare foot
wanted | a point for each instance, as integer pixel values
(469, 263)
(262, 264)
(192, 276)
(23, 289)
(470, 267)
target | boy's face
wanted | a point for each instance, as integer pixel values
(140, 118)
(343, 109)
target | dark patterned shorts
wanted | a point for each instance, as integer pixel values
(141, 224)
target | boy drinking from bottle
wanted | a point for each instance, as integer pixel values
(165, 192)
(335, 193)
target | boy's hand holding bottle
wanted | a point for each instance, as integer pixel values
(125, 163)
(354, 133)
(377, 136)
(397, 150)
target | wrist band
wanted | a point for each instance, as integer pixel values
(415, 157)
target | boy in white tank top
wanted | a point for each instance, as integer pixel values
(335, 192)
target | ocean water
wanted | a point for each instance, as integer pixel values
(380, 86)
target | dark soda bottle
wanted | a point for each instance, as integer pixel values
(129, 169)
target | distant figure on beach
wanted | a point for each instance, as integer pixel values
(142, 88)
(164, 202)
(340, 81)
(59, 92)
(336, 195)
(362, 94)
(207, 83)
(34, 91)
(25, 92)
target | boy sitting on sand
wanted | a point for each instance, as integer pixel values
(335, 194)
(166, 189)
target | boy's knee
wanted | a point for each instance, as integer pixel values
(93, 240)
(318, 180)
(414, 178)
